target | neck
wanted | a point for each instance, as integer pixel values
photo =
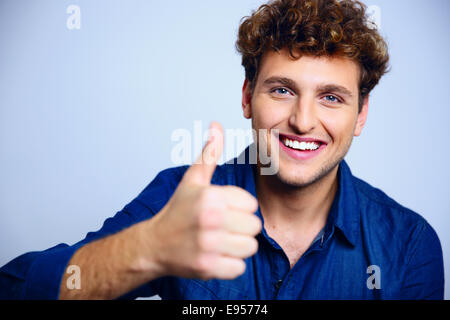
(301, 208)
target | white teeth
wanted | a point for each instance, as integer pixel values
(300, 145)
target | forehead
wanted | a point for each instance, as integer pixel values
(310, 70)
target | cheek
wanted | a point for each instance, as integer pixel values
(268, 113)
(339, 124)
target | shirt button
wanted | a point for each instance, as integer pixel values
(278, 284)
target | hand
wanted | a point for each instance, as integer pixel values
(205, 231)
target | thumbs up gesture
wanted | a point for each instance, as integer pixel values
(205, 231)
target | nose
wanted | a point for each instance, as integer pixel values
(303, 118)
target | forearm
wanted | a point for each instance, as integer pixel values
(113, 266)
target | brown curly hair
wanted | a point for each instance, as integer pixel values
(317, 28)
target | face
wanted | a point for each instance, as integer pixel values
(313, 103)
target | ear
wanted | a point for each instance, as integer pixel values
(247, 100)
(362, 117)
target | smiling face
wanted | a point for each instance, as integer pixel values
(313, 103)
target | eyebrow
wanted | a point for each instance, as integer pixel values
(291, 84)
(335, 88)
(281, 80)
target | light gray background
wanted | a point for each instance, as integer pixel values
(86, 115)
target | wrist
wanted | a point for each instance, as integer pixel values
(146, 257)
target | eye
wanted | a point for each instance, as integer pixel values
(281, 91)
(332, 98)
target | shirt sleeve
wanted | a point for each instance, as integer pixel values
(424, 277)
(37, 275)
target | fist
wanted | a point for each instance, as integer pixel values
(206, 231)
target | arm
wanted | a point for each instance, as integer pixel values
(424, 277)
(203, 231)
(37, 275)
(113, 266)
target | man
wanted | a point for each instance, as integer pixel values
(309, 231)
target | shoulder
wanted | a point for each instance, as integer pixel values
(379, 203)
(390, 220)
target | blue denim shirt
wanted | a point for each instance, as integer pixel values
(371, 248)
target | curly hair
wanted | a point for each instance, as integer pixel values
(316, 28)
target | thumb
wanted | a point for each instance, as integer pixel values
(203, 168)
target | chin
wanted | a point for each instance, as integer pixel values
(300, 179)
(296, 180)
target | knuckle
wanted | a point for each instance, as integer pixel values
(249, 200)
(253, 246)
(199, 265)
(249, 247)
(200, 241)
(209, 214)
(203, 216)
(239, 267)
(207, 196)
(206, 241)
(252, 203)
(231, 268)
(257, 225)
(209, 217)
(203, 264)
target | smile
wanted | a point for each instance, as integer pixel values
(301, 148)
(294, 144)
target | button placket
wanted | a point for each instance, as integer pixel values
(278, 284)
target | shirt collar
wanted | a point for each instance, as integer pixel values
(344, 213)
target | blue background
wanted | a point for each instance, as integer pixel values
(86, 116)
